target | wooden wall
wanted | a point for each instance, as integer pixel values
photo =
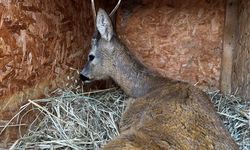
(41, 43)
(179, 39)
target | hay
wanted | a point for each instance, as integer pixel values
(235, 113)
(88, 120)
(74, 120)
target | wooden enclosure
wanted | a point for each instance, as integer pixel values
(44, 43)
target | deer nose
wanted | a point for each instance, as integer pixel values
(84, 78)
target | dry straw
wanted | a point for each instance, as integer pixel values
(73, 120)
(235, 113)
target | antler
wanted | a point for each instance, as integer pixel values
(111, 14)
(93, 11)
(116, 7)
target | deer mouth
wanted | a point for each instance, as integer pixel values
(84, 78)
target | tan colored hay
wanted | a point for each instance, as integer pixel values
(74, 120)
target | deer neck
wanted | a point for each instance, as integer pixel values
(132, 76)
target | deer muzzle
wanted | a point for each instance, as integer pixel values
(83, 78)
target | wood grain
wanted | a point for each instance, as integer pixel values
(229, 45)
(241, 57)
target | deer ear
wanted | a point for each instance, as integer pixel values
(104, 25)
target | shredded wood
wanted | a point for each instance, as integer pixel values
(73, 120)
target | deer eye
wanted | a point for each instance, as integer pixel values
(91, 57)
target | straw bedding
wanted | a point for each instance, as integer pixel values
(71, 120)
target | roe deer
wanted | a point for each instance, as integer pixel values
(162, 113)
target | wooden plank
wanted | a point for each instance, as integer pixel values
(229, 45)
(241, 57)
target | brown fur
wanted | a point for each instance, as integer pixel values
(163, 113)
(176, 116)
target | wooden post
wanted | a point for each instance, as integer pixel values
(229, 45)
(241, 57)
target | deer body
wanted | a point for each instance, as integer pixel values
(162, 113)
(175, 116)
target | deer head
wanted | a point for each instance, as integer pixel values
(104, 43)
(109, 58)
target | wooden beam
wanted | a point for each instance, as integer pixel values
(241, 57)
(229, 45)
